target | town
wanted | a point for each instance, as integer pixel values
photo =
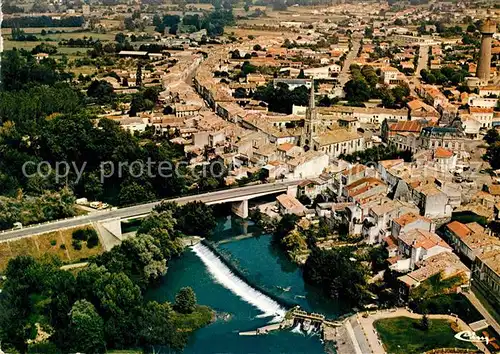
(362, 137)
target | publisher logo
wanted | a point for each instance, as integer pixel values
(468, 336)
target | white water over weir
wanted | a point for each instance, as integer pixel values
(224, 276)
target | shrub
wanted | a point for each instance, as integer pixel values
(53, 242)
(93, 240)
(77, 245)
(63, 246)
(84, 234)
(80, 235)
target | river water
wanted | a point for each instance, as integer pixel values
(247, 308)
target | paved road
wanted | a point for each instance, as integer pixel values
(143, 209)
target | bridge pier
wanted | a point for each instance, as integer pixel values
(240, 208)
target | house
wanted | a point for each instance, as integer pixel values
(483, 115)
(410, 221)
(470, 126)
(288, 204)
(444, 265)
(41, 56)
(432, 202)
(486, 275)
(385, 166)
(417, 245)
(421, 110)
(390, 75)
(364, 189)
(445, 159)
(390, 128)
(309, 164)
(470, 239)
(182, 110)
(311, 188)
(377, 224)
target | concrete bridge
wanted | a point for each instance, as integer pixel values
(110, 219)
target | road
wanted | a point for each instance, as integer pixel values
(423, 60)
(345, 75)
(353, 54)
(146, 208)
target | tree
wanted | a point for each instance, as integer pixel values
(357, 90)
(102, 91)
(301, 75)
(493, 155)
(120, 38)
(338, 274)
(185, 300)
(199, 211)
(471, 28)
(138, 76)
(285, 225)
(86, 328)
(492, 136)
(424, 322)
(133, 193)
(155, 324)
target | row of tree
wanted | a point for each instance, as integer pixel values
(214, 22)
(42, 21)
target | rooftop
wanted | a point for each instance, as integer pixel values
(419, 238)
(289, 202)
(442, 153)
(336, 136)
(491, 259)
(446, 263)
(409, 218)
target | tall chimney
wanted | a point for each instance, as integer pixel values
(488, 28)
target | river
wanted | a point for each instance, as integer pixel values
(216, 286)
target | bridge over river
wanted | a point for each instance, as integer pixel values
(239, 198)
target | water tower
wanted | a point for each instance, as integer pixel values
(488, 28)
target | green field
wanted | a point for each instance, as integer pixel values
(402, 335)
(447, 304)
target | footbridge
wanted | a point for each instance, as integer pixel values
(238, 197)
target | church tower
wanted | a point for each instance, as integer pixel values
(309, 130)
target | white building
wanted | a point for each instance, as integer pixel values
(417, 245)
(308, 165)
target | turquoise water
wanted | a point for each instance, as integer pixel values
(262, 264)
